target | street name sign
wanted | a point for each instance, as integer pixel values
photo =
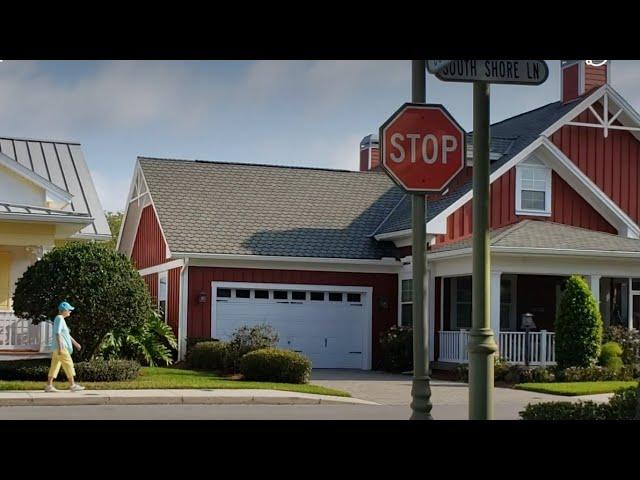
(422, 147)
(516, 72)
(434, 66)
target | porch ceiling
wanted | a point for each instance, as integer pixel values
(547, 236)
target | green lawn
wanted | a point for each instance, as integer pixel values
(576, 388)
(171, 378)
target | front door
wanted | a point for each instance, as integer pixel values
(636, 311)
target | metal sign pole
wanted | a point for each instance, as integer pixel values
(482, 345)
(420, 390)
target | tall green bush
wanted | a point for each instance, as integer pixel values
(578, 326)
(102, 284)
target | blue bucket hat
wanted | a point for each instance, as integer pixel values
(65, 306)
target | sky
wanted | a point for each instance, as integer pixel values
(303, 113)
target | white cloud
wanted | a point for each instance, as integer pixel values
(112, 193)
(123, 94)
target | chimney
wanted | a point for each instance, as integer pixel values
(579, 78)
(369, 153)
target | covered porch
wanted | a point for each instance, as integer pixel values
(529, 265)
(26, 233)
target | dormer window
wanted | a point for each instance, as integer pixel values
(533, 188)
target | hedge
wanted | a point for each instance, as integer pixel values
(275, 365)
(96, 370)
(622, 406)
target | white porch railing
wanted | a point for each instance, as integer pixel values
(511, 345)
(19, 334)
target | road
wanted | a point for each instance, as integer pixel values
(239, 412)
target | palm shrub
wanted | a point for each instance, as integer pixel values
(578, 326)
(104, 286)
(151, 343)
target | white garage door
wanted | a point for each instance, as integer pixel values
(329, 325)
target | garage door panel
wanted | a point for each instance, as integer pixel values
(329, 333)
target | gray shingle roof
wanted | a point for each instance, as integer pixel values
(510, 137)
(231, 208)
(533, 234)
(62, 164)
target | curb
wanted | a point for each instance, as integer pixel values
(197, 397)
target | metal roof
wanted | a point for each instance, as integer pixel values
(17, 211)
(63, 165)
(249, 209)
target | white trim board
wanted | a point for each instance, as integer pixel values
(162, 267)
(367, 303)
(22, 171)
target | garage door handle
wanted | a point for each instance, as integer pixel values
(356, 352)
(325, 342)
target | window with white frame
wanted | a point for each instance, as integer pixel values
(533, 188)
(162, 294)
(406, 303)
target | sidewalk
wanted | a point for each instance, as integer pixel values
(172, 397)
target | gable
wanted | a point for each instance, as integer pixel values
(17, 189)
(568, 208)
(149, 247)
(612, 163)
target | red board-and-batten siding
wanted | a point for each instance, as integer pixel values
(385, 290)
(612, 163)
(567, 207)
(149, 247)
(149, 250)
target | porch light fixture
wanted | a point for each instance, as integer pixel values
(202, 297)
(383, 303)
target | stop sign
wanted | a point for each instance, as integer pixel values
(422, 147)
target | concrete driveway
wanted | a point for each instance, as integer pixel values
(449, 399)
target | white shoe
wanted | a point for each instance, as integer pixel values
(50, 388)
(76, 388)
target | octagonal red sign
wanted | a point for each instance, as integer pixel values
(422, 147)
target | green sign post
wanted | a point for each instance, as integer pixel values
(422, 149)
(482, 345)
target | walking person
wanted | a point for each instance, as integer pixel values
(62, 345)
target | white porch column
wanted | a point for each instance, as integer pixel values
(45, 327)
(594, 285)
(430, 311)
(495, 305)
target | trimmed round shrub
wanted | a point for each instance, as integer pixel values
(209, 356)
(629, 340)
(99, 370)
(103, 285)
(193, 341)
(247, 339)
(610, 355)
(578, 326)
(396, 348)
(275, 365)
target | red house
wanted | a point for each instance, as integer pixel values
(325, 255)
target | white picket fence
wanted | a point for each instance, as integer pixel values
(511, 347)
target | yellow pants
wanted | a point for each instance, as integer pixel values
(62, 360)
